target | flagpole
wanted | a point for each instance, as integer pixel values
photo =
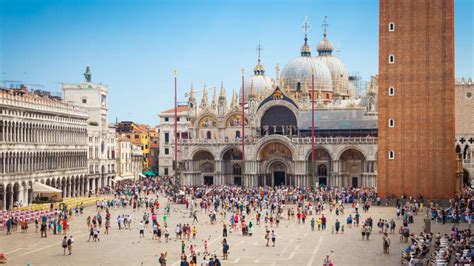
(312, 129)
(243, 130)
(175, 128)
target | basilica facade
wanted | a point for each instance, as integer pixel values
(278, 115)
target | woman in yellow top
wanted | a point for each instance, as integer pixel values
(194, 231)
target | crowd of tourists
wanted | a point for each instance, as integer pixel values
(239, 210)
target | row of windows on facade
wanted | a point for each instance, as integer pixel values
(24, 132)
(41, 116)
(110, 169)
(391, 91)
(96, 139)
(179, 135)
(184, 135)
(169, 119)
(94, 153)
(19, 162)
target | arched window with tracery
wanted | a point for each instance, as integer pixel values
(236, 170)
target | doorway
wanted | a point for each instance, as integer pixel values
(278, 178)
(238, 180)
(208, 180)
(323, 181)
(355, 182)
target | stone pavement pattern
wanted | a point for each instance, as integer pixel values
(296, 244)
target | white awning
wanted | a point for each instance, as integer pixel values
(42, 188)
(141, 175)
(121, 178)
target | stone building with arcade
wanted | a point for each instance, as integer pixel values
(42, 140)
(278, 123)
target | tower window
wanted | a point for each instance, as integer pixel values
(391, 59)
(391, 122)
(391, 91)
(391, 155)
(391, 26)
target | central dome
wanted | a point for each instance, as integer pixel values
(297, 74)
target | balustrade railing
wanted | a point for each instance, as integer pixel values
(295, 140)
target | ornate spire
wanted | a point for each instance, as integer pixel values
(222, 93)
(214, 99)
(325, 26)
(192, 96)
(204, 100)
(305, 49)
(252, 93)
(259, 69)
(234, 104)
(277, 70)
(325, 46)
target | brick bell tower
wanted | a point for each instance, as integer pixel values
(416, 153)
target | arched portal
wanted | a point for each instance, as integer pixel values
(2, 197)
(279, 120)
(352, 167)
(276, 160)
(231, 160)
(204, 162)
(278, 171)
(9, 193)
(466, 178)
(321, 167)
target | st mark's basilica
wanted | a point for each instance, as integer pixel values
(278, 123)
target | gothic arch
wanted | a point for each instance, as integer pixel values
(266, 106)
(201, 150)
(261, 143)
(346, 148)
(316, 149)
(234, 150)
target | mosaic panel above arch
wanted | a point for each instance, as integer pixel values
(235, 120)
(273, 149)
(207, 121)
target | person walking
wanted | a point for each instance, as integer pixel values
(141, 229)
(337, 225)
(273, 238)
(70, 242)
(162, 259)
(267, 237)
(64, 245)
(386, 243)
(225, 249)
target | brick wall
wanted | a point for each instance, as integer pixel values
(423, 104)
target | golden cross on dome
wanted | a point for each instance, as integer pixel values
(325, 25)
(259, 51)
(306, 26)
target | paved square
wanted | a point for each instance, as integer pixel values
(296, 244)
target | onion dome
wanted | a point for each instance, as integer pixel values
(339, 76)
(324, 47)
(298, 72)
(258, 83)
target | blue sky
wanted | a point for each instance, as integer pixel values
(134, 45)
